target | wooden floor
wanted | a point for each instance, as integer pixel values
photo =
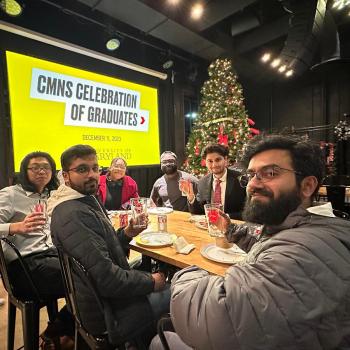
(18, 331)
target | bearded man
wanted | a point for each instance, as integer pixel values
(166, 190)
(132, 300)
(293, 289)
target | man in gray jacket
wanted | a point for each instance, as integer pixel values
(293, 289)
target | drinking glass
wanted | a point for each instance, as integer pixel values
(184, 186)
(41, 207)
(139, 211)
(212, 214)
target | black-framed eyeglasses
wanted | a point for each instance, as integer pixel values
(37, 168)
(265, 174)
(84, 169)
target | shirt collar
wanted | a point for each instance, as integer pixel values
(223, 178)
(30, 194)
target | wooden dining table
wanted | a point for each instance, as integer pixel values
(179, 224)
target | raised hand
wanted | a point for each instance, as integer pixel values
(132, 231)
(186, 187)
(223, 221)
(32, 222)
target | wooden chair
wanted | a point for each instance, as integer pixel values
(29, 306)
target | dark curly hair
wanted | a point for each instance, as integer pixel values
(215, 148)
(306, 155)
(23, 173)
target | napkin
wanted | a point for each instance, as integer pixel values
(182, 246)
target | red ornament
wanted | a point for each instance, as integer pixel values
(251, 121)
(196, 148)
(203, 162)
(254, 131)
(222, 139)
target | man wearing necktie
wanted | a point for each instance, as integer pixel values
(219, 186)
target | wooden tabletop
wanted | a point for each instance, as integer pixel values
(179, 224)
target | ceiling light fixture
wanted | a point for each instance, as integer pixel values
(275, 63)
(282, 68)
(168, 64)
(173, 2)
(197, 11)
(112, 44)
(266, 57)
(289, 73)
(340, 4)
(11, 7)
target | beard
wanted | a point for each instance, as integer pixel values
(87, 188)
(273, 212)
(169, 169)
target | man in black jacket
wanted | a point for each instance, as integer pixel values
(219, 186)
(81, 228)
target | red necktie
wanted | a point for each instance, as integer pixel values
(217, 192)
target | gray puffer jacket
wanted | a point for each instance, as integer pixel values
(292, 292)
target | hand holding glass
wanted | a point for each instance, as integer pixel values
(41, 220)
(139, 212)
(186, 187)
(212, 214)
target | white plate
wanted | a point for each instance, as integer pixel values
(197, 218)
(159, 210)
(117, 212)
(201, 225)
(225, 256)
(154, 239)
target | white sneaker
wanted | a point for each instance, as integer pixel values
(2, 301)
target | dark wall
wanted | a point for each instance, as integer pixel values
(317, 98)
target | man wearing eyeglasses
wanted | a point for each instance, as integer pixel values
(133, 300)
(23, 222)
(293, 289)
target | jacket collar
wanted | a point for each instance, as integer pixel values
(294, 219)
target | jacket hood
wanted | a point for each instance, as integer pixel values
(62, 194)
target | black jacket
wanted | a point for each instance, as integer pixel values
(234, 195)
(81, 229)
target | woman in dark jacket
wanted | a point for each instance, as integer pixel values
(116, 188)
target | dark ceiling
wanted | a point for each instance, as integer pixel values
(303, 32)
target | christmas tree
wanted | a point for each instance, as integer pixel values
(222, 117)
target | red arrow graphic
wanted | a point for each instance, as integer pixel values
(142, 120)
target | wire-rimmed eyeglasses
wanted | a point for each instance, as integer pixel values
(84, 169)
(265, 174)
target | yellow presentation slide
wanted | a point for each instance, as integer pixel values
(54, 106)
